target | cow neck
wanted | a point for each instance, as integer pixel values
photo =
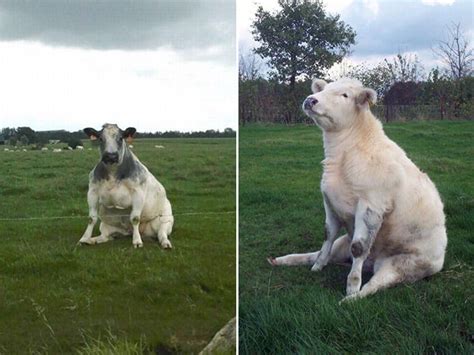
(337, 143)
(120, 171)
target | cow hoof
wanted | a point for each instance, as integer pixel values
(317, 267)
(138, 245)
(349, 299)
(86, 242)
(166, 245)
(272, 261)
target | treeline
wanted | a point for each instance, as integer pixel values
(263, 100)
(22, 136)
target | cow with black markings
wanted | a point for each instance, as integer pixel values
(126, 197)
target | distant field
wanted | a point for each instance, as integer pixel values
(57, 298)
(294, 310)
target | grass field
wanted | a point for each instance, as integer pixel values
(57, 298)
(294, 310)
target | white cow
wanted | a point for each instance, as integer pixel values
(390, 209)
(79, 147)
(124, 194)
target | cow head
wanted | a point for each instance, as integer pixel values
(338, 105)
(111, 139)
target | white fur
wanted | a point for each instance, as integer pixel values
(391, 210)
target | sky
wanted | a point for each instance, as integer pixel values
(155, 65)
(384, 27)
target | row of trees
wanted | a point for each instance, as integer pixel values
(22, 136)
(301, 41)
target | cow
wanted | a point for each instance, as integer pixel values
(126, 197)
(391, 210)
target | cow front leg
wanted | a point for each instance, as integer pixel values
(367, 224)
(138, 201)
(92, 201)
(331, 229)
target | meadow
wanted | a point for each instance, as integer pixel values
(293, 310)
(57, 297)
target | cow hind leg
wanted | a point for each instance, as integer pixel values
(164, 230)
(160, 228)
(394, 270)
(340, 253)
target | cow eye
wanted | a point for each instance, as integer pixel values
(345, 95)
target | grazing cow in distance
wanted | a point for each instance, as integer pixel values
(126, 197)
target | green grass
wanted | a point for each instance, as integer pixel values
(59, 298)
(294, 310)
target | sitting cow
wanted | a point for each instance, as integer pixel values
(391, 211)
(124, 194)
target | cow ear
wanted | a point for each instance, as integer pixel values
(92, 133)
(366, 97)
(318, 85)
(128, 134)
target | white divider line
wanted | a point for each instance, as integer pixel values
(115, 215)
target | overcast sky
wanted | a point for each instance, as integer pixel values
(156, 65)
(384, 27)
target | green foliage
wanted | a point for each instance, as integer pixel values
(404, 68)
(28, 133)
(301, 39)
(59, 298)
(378, 77)
(24, 140)
(291, 310)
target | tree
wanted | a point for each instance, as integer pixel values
(300, 39)
(378, 78)
(24, 140)
(404, 68)
(249, 66)
(28, 133)
(456, 52)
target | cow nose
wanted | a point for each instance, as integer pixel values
(309, 103)
(110, 158)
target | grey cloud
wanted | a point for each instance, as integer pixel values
(184, 25)
(403, 25)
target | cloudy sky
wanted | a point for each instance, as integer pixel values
(384, 27)
(156, 65)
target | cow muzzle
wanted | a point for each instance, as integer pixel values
(309, 103)
(110, 158)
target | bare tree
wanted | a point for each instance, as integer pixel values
(456, 52)
(250, 67)
(404, 68)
